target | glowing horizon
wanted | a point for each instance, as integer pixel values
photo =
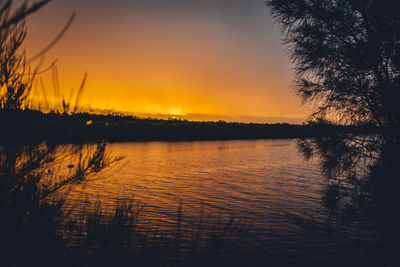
(216, 58)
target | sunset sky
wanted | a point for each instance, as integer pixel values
(201, 59)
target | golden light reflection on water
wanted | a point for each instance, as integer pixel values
(254, 180)
(264, 187)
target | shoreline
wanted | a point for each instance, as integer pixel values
(35, 126)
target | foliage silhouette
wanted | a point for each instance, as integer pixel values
(346, 54)
(30, 217)
(16, 76)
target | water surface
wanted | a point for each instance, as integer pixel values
(265, 184)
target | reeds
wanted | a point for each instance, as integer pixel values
(121, 237)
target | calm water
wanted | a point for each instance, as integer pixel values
(265, 184)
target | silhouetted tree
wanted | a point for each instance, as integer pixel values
(15, 76)
(346, 55)
(30, 214)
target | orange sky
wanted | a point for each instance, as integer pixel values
(217, 58)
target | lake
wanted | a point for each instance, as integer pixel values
(263, 184)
